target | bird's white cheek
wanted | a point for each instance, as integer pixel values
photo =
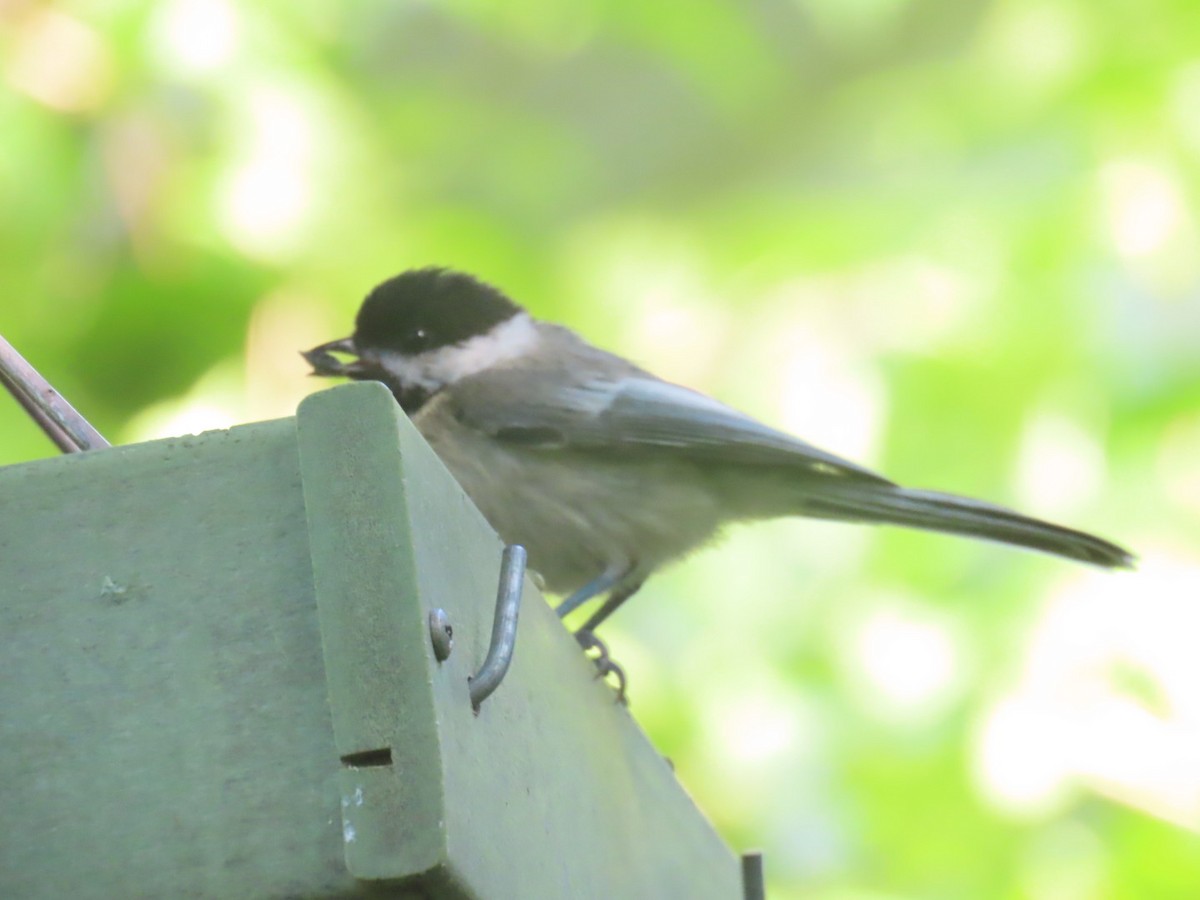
(412, 371)
(435, 369)
(509, 340)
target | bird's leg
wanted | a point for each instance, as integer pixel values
(610, 606)
(605, 581)
(586, 636)
(608, 580)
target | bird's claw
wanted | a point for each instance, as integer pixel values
(603, 662)
(607, 667)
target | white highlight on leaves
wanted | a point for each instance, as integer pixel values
(829, 400)
(1060, 466)
(1021, 758)
(214, 402)
(1144, 205)
(267, 196)
(758, 728)
(1109, 699)
(194, 36)
(908, 660)
(173, 419)
(59, 61)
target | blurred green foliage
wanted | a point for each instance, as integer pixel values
(953, 240)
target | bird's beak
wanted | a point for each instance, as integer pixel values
(325, 363)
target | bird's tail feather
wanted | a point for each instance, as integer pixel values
(959, 515)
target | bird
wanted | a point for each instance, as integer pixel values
(604, 472)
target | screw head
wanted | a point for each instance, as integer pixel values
(441, 634)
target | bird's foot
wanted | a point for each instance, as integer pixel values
(604, 663)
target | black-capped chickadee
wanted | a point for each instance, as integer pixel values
(602, 471)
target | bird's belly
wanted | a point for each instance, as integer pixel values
(580, 515)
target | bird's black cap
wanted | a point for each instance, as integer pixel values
(424, 309)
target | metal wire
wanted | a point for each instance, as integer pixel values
(69, 431)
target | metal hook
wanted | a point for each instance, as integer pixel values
(504, 627)
(57, 418)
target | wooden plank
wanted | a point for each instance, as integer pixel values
(551, 790)
(164, 722)
(186, 710)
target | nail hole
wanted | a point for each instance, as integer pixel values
(368, 759)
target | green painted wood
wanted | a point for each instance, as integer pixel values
(164, 722)
(551, 790)
(207, 643)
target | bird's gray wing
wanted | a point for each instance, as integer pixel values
(635, 413)
(632, 413)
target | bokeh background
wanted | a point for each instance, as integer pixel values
(954, 240)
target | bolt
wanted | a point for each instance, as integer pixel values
(441, 634)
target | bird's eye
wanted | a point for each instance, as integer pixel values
(414, 339)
